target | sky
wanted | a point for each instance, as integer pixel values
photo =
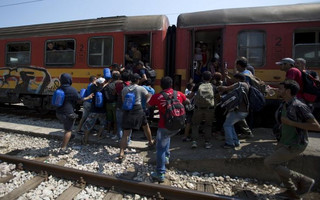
(27, 12)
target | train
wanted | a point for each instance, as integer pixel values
(32, 57)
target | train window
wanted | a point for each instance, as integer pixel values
(252, 45)
(60, 52)
(307, 46)
(100, 51)
(18, 53)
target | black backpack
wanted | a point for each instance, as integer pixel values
(256, 99)
(110, 93)
(311, 85)
(175, 114)
(151, 73)
(232, 100)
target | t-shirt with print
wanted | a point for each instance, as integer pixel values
(159, 101)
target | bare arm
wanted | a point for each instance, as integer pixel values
(312, 124)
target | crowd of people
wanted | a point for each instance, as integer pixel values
(204, 113)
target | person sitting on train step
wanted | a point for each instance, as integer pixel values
(86, 105)
(235, 115)
(134, 118)
(163, 134)
(97, 112)
(295, 118)
(65, 113)
(204, 109)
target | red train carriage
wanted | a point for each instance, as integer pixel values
(32, 57)
(264, 35)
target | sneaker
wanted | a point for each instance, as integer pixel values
(304, 185)
(64, 151)
(157, 177)
(194, 144)
(80, 132)
(237, 144)
(208, 145)
(288, 194)
(167, 160)
(186, 139)
(227, 146)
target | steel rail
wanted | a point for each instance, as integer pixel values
(142, 188)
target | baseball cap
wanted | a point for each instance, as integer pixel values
(286, 60)
(100, 80)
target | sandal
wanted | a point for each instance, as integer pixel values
(121, 158)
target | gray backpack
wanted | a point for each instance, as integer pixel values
(204, 96)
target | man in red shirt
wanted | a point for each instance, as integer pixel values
(163, 134)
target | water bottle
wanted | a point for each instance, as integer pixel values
(106, 73)
(82, 93)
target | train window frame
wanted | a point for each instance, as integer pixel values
(100, 53)
(262, 47)
(308, 48)
(55, 64)
(17, 63)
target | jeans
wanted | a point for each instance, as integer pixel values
(163, 145)
(119, 115)
(229, 131)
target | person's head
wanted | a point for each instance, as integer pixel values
(190, 86)
(285, 64)
(217, 77)
(166, 82)
(92, 79)
(140, 64)
(115, 67)
(135, 78)
(300, 63)
(125, 76)
(204, 47)
(50, 46)
(241, 64)
(198, 45)
(116, 75)
(288, 89)
(65, 79)
(206, 76)
(239, 77)
(134, 47)
(100, 81)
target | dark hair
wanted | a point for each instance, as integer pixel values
(92, 78)
(217, 76)
(135, 77)
(147, 82)
(125, 76)
(242, 62)
(292, 85)
(190, 86)
(206, 76)
(166, 82)
(116, 76)
(240, 77)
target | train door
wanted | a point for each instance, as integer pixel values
(137, 47)
(206, 53)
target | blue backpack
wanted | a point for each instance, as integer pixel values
(256, 99)
(99, 100)
(58, 98)
(129, 100)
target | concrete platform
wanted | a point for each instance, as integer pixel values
(246, 161)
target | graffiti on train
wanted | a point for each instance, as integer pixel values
(27, 79)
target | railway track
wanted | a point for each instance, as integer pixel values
(81, 178)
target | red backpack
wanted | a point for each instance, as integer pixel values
(175, 114)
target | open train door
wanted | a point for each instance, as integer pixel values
(171, 51)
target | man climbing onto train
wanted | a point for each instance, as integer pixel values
(163, 134)
(295, 118)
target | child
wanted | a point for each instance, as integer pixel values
(189, 113)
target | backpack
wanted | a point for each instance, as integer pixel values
(311, 86)
(175, 114)
(256, 99)
(110, 93)
(151, 73)
(232, 100)
(58, 98)
(257, 83)
(204, 96)
(129, 100)
(98, 100)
